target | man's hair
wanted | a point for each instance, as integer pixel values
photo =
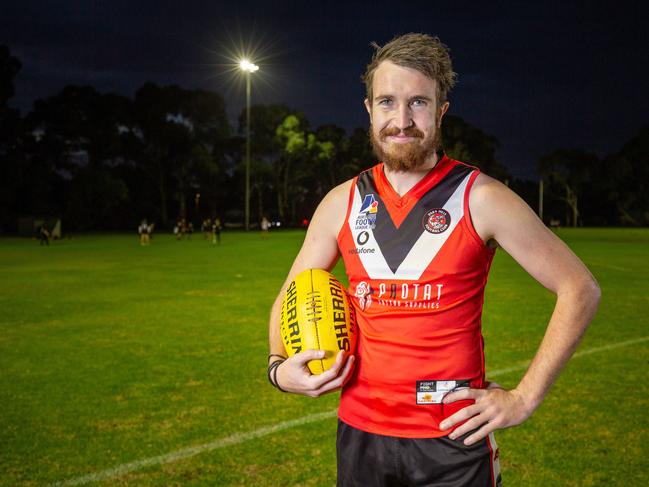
(422, 52)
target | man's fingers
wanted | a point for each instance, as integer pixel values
(462, 394)
(306, 356)
(318, 380)
(295, 375)
(461, 415)
(480, 434)
(339, 381)
(339, 363)
(473, 423)
(349, 369)
(346, 373)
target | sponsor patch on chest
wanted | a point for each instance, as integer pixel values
(433, 391)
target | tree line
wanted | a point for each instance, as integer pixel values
(105, 161)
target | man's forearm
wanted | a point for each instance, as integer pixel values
(572, 314)
(275, 344)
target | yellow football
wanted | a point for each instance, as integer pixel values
(317, 315)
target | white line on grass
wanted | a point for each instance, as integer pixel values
(195, 450)
(524, 365)
(610, 266)
(267, 430)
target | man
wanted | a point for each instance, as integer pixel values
(144, 230)
(43, 235)
(207, 228)
(216, 231)
(418, 233)
(265, 226)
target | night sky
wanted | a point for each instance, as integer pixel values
(536, 75)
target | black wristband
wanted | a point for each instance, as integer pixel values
(275, 376)
(272, 374)
(270, 369)
(276, 355)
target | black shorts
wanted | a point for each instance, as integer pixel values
(370, 460)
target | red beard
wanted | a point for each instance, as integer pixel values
(407, 156)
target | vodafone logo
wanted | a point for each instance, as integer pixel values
(362, 238)
(436, 220)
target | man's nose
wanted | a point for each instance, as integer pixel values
(403, 118)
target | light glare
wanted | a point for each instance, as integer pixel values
(248, 66)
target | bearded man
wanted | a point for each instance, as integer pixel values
(416, 408)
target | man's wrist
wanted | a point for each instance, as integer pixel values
(272, 370)
(272, 356)
(529, 400)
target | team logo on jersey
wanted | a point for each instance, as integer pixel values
(364, 295)
(366, 218)
(437, 220)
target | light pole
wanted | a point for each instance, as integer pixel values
(248, 68)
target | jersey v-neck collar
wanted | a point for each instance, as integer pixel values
(433, 177)
(398, 207)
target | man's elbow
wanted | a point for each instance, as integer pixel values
(583, 290)
(597, 291)
(590, 292)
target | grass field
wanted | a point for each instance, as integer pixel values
(116, 359)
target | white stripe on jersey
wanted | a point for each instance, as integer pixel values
(422, 252)
(495, 459)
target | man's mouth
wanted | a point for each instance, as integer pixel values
(401, 138)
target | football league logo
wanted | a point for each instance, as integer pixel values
(370, 205)
(366, 218)
(437, 220)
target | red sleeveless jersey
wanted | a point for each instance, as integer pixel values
(417, 271)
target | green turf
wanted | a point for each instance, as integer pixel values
(112, 353)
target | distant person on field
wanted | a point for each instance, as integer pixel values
(265, 227)
(180, 229)
(143, 231)
(183, 228)
(206, 228)
(43, 236)
(216, 231)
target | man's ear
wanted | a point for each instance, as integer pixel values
(442, 111)
(368, 107)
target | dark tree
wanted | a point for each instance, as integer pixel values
(624, 178)
(183, 136)
(359, 154)
(466, 143)
(10, 66)
(331, 168)
(265, 150)
(72, 143)
(569, 175)
(10, 126)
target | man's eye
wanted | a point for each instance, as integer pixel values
(385, 101)
(418, 102)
